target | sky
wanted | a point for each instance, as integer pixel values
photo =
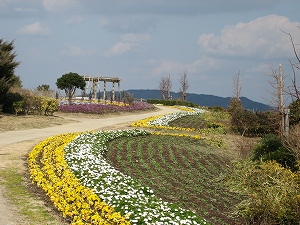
(142, 41)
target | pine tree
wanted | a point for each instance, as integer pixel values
(7, 67)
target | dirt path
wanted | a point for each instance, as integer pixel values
(15, 145)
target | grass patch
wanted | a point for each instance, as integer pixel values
(27, 203)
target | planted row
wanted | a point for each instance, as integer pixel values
(104, 108)
(182, 170)
(131, 197)
(163, 121)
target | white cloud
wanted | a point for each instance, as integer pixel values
(30, 10)
(129, 42)
(36, 28)
(166, 67)
(136, 38)
(72, 50)
(73, 20)
(261, 38)
(60, 5)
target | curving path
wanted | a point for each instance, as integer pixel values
(8, 215)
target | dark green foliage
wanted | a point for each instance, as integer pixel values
(69, 82)
(43, 87)
(171, 102)
(9, 100)
(235, 104)
(249, 123)
(269, 122)
(7, 68)
(245, 121)
(271, 147)
(294, 107)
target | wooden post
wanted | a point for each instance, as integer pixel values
(104, 91)
(280, 98)
(286, 122)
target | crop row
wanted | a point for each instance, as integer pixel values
(125, 194)
(181, 170)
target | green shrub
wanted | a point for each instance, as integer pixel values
(272, 192)
(171, 102)
(294, 112)
(250, 123)
(18, 107)
(9, 100)
(235, 105)
(271, 147)
(245, 121)
(49, 105)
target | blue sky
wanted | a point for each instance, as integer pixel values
(142, 41)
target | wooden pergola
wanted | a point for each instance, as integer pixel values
(93, 86)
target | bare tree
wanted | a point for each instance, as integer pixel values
(278, 92)
(165, 86)
(237, 86)
(293, 90)
(184, 85)
(168, 86)
(278, 99)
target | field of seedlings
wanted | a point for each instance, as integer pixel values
(168, 172)
(182, 170)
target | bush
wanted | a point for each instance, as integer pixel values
(292, 141)
(250, 123)
(271, 192)
(235, 104)
(49, 105)
(294, 112)
(18, 106)
(171, 102)
(128, 98)
(271, 147)
(245, 121)
(9, 100)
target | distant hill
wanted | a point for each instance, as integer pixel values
(200, 99)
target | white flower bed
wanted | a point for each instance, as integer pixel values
(85, 157)
(167, 118)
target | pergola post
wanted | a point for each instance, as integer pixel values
(94, 86)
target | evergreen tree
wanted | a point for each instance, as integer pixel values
(7, 67)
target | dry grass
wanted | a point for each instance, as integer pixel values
(10, 122)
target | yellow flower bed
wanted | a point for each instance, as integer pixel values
(49, 170)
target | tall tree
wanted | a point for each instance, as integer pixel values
(69, 82)
(168, 86)
(237, 85)
(7, 67)
(184, 85)
(163, 87)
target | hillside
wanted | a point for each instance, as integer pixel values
(200, 99)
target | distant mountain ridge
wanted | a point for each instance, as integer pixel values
(200, 99)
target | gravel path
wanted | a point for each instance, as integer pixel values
(14, 146)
